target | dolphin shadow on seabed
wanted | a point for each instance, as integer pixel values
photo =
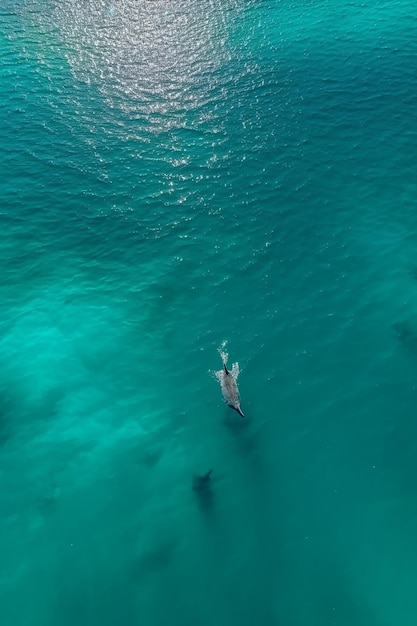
(407, 336)
(202, 487)
(249, 438)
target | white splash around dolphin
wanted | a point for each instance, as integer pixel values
(228, 381)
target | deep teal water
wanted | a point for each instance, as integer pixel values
(177, 175)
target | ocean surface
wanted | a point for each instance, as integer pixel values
(180, 179)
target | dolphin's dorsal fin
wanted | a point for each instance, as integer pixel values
(225, 369)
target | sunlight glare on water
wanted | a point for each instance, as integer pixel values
(153, 60)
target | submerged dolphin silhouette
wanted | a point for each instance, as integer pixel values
(202, 490)
(202, 482)
(228, 383)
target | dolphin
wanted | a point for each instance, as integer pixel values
(228, 383)
(202, 482)
(202, 490)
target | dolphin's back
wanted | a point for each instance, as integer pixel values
(230, 390)
(228, 383)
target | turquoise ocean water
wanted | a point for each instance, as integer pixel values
(176, 175)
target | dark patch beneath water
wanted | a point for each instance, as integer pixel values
(407, 336)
